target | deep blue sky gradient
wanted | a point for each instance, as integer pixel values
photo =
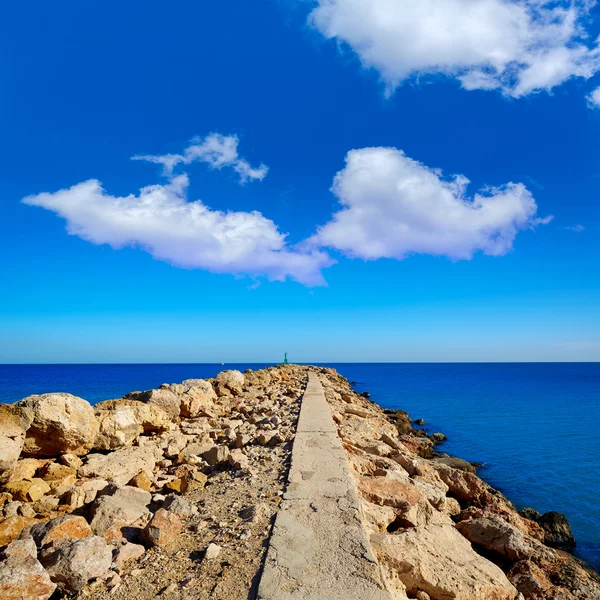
(84, 86)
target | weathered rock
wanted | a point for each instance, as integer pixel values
(71, 565)
(122, 465)
(529, 579)
(142, 481)
(198, 396)
(439, 561)
(212, 551)
(233, 381)
(255, 513)
(162, 528)
(11, 528)
(496, 535)
(22, 577)
(28, 490)
(61, 423)
(70, 460)
(456, 463)
(26, 468)
(125, 507)
(118, 427)
(13, 427)
(125, 553)
(462, 485)
(238, 460)
(438, 437)
(216, 455)
(67, 527)
(179, 506)
(56, 475)
(557, 531)
(163, 398)
(150, 416)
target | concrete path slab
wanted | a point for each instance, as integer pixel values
(319, 549)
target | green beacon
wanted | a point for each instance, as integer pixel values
(285, 360)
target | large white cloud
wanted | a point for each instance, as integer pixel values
(393, 206)
(162, 221)
(516, 46)
(216, 150)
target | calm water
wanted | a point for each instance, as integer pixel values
(536, 427)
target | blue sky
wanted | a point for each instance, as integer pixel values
(396, 261)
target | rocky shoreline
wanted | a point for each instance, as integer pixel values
(172, 493)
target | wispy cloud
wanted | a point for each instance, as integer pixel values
(576, 228)
(216, 150)
(516, 47)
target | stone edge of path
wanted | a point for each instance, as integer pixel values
(319, 549)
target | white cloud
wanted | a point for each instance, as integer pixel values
(576, 228)
(594, 98)
(393, 206)
(216, 150)
(515, 46)
(187, 234)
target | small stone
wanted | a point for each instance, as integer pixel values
(126, 553)
(70, 460)
(26, 510)
(216, 455)
(438, 437)
(28, 490)
(141, 481)
(162, 528)
(212, 551)
(255, 513)
(169, 589)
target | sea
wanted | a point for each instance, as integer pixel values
(535, 427)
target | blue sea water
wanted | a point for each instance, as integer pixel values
(535, 426)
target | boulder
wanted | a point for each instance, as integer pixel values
(67, 527)
(60, 423)
(456, 463)
(13, 428)
(122, 465)
(163, 398)
(28, 490)
(11, 528)
(437, 560)
(232, 381)
(162, 528)
(529, 579)
(557, 531)
(496, 535)
(72, 564)
(199, 394)
(150, 416)
(124, 508)
(26, 468)
(216, 455)
(464, 486)
(118, 427)
(22, 576)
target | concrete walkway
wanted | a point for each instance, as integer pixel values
(319, 549)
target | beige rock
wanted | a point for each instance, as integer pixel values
(529, 579)
(232, 381)
(462, 485)
(28, 490)
(212, 551)
(72, 564)
(61, 423)
(70, 460)
(13, 426)
(437, 560)
(26, 468)
(122, 465)
(495, 534)
(67, 527)
(11, 528)
(22, 577)
(118, 427)
(179, 506)
(359, 411)
(21, 548)
(162, 528)
(150, 416)
(199, 395)
(54, 472)
(238, 460)
(216, 455)
(126, 553)
(163, 398)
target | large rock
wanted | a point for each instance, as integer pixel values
(232, 381)
(496, 535)
(22, 577)
(13, 427)
(61, 423)
(117, 428)
(67, 527)
(122, 508)
(163, 528)
(11, 528)
(28, 490)
(437, 560)
(163, 398)
(557, 531)
(150, 416)
(199, 394)
(121, 466)
(71, 565)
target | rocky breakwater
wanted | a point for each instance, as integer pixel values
(169, 491)
(438, 530)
